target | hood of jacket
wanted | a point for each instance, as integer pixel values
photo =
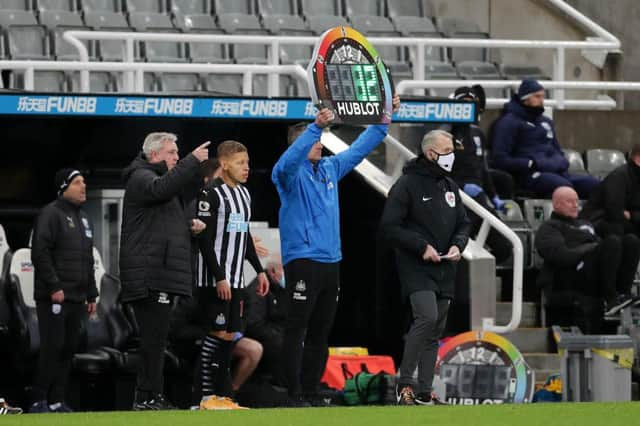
(140, 162)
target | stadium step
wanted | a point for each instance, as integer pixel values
(543, 361)
(531, 340)
(529, 314)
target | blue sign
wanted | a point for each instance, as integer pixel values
(201, 107)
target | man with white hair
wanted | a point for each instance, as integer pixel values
(155, 251)
(427, 225)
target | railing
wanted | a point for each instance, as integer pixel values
(416, 45)
(382, 183)
(606, 102)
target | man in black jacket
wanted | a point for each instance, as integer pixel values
(155, 244)
(65, 286)
(425, 221)
(579, 262)
(614, 205)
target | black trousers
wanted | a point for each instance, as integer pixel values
(610, 268)
(313, 289)
(153, 315)
(59, 334)
(421, 342)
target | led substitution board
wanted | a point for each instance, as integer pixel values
(347, 75)
(484, 368)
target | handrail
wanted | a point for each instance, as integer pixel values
(583, 20)
(607, 103)
(416, 44)
(382, 183)
(140, 67)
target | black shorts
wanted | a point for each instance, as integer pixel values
(221, 315)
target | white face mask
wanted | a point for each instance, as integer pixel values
(445, 161)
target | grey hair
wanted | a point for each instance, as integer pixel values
(430, 138)
(153, 142)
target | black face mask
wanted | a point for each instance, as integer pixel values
(533, 110)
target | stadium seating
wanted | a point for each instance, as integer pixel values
(56, 5)
(601, 161)
(435, 70)
(179, 83)
(98, 82)
(156, 51)
(576, 163)
(145, 6)
(101, 6)
(537, 211)
(57, 22)
(462, 28)
(230, 84)
(24, 37)
(15, 5)
(107, 50)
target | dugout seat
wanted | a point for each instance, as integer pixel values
(576, 163)
(602, 161)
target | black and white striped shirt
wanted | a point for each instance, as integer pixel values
(226, 241)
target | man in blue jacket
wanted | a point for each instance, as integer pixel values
(310, 237)
(525, 144)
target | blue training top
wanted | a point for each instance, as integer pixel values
(309, 211)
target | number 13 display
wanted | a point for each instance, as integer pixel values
(347, 75)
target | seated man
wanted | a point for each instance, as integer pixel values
(614, 205)
(266, 317)
(581, 267)
(525, 144)
(188, 328)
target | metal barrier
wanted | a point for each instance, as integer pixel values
(382, 183)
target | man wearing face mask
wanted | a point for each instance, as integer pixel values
(427, 225)
(266, 317)
(525, 145)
